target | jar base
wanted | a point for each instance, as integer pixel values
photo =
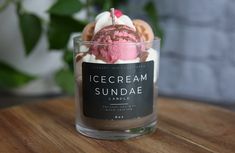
(117, 134)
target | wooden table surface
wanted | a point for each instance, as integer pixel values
(184, 127)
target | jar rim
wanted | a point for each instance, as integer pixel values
(77, 39)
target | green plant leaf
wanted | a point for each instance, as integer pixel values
(31, 29)
(60, 29)
(68, 58)
(152, 13)
(65, 7)
(11, 78)
(65, 79)
(4, 5)
(107, 4)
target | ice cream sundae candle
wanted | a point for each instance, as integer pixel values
(116, 68)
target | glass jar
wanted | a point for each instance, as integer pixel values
(116, 100)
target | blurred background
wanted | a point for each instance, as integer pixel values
(197, 54)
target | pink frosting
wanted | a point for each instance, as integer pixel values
(115, 42)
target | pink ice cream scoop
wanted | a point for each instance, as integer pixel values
(116, 42)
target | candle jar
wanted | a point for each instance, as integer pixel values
(116, 100)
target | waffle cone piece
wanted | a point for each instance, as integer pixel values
(88, 31)
(144, 30)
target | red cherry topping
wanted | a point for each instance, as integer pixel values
(117, 13)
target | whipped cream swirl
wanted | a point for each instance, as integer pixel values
(104, 19)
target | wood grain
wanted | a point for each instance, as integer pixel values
(184, 127)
